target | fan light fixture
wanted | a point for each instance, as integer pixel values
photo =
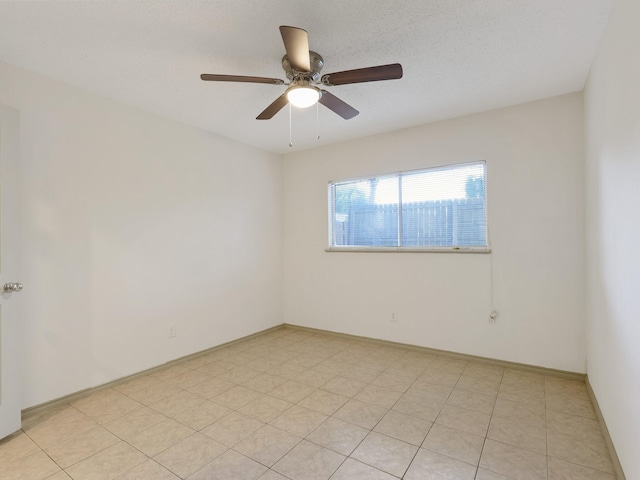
(302, 68)
(303, 96)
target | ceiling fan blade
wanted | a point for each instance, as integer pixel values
(296, 43)
(210, 77)
(333, 103)
(361, 75)
(277, 105)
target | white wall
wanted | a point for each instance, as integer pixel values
(534, 154)
(612, 114)
(133, 222)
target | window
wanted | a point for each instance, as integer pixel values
(437, 209)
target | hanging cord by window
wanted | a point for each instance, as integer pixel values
(492, 308)
(290, 139)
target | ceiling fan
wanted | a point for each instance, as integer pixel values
(302, 67)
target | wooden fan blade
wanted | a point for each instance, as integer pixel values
(210, 77)
(277, 105)
(361, 75)
(296, 43)
(336, 105)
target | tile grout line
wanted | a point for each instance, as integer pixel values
(484, 441)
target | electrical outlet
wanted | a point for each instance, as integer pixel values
(394, 317)
(172, 330)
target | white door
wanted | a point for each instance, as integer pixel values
(9, 264)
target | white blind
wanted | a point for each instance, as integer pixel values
(437, 207)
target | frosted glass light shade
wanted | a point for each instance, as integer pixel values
(303, 97)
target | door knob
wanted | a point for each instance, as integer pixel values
(12, 287)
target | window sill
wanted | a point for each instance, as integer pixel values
(410, 249)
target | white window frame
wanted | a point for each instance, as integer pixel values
(415, 249)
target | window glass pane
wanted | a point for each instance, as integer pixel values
(444, 207)
(366, 212)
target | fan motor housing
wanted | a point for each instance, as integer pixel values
(315, 60)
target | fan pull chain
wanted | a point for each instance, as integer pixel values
(317, 121)
(290, 139)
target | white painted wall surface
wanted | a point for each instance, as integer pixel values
(133, 222)
(534, 154)
(612, 114)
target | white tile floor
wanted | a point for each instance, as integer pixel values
(291, 404)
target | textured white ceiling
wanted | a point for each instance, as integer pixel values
(459, 57)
